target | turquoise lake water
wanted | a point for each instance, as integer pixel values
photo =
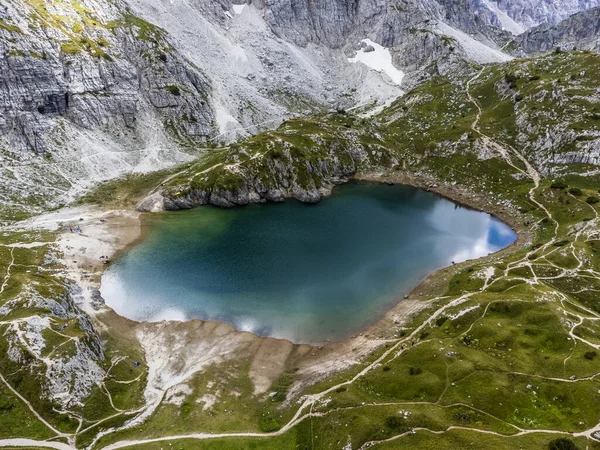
(302, 272)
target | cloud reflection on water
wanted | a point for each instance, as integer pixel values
(306, 273)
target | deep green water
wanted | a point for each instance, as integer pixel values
(303, 272)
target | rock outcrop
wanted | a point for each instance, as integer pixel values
(95, 69)
(581, 31)
(530, 13)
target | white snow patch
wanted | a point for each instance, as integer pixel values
(508, 24)
(379, 60)
(238, 9)
(475, 50)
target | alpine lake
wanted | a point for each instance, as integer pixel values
(307, 273)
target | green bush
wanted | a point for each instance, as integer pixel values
(268, 423)
(440, 321)
(558, 185)
(575, 191)
(592, 200)
(6, 405)
(511, 80)
(562, 444)
(173, 90)
(590, 355)
(462, 417)
(393, 422)
(70, 48)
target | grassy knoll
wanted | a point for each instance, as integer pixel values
(126, 191)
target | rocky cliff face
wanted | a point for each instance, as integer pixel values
(303, 159)
(400, 24)
(89, 91)
(581, 31)
(532, 13)
(98, 68)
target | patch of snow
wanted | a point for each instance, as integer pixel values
(508, 24)
(238, 9)
(243, 56)
(380, 60)
(475, 50)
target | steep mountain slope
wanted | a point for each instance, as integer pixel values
(89, 91)
(533, 13)
(582, 31)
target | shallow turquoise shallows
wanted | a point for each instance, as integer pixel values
(307, 273)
